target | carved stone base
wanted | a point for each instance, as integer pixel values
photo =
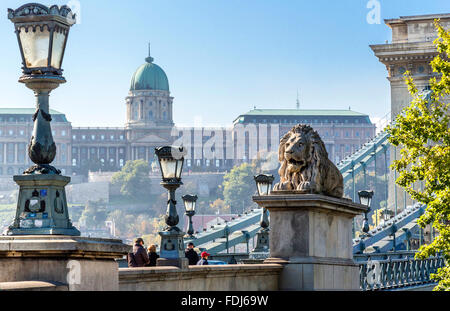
(172, 248)
(311, 235)
(42, 206)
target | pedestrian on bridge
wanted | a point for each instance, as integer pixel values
(139, 257)
(191, 254)
(204, 260)
(152, 255)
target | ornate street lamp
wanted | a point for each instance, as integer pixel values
(190, 202)
(171, 160)
(365, 198)
(263, 185)
(42, 36)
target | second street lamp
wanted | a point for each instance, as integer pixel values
(263, 185)
(190, 202)
(365, 198)
(171, 160)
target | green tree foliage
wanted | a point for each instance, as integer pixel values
(239, 187)
(94, 214)
(134, 180)
(422, 131)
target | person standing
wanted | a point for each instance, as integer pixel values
(152, 255)
(139, 257)
(204, 260)
(191, 254)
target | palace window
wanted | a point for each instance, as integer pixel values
(63, 133)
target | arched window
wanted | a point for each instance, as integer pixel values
(150, 115)
(164, 115)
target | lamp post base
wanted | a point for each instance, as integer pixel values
(172, 249)
(262, 241)
(42, 206)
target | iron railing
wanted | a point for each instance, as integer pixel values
(388, 274)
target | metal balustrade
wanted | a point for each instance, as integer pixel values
(397, 273)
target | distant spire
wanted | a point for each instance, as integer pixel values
(298, 102)
(149, 59)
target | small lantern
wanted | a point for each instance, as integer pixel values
(264, 183)
(365, 197)
(170, 162)
(189, 203)
(42, 34)
(189, 206)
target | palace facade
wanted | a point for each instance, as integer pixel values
(149, 124)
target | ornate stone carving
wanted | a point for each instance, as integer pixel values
(305, 167)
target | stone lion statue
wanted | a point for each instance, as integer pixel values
(305, 166)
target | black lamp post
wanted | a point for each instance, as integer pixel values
(171, 160)
(263, 185)
(42, 34)
(365, 198)
(190, 202)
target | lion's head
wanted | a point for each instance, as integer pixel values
(305, 164)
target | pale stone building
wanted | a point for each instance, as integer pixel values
(411, 49)
(149, 124)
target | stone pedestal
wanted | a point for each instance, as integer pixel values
(79, 262)
(172, 250)
(311, 235)
(42, 206)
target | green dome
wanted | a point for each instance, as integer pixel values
(149, 76)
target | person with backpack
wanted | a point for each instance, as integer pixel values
(139, 257)
(204, 260)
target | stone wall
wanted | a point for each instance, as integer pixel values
(201, 278)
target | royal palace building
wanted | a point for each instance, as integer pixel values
(149, 124)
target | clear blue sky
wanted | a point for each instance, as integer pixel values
(222, 57)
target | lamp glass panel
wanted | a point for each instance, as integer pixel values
(189, 206)
(168, 168)
(57, 49)
(35, 46)
(364, 201)
(179, 167)
(263, 188)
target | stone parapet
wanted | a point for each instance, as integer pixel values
(263, 277)
(80, 263)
